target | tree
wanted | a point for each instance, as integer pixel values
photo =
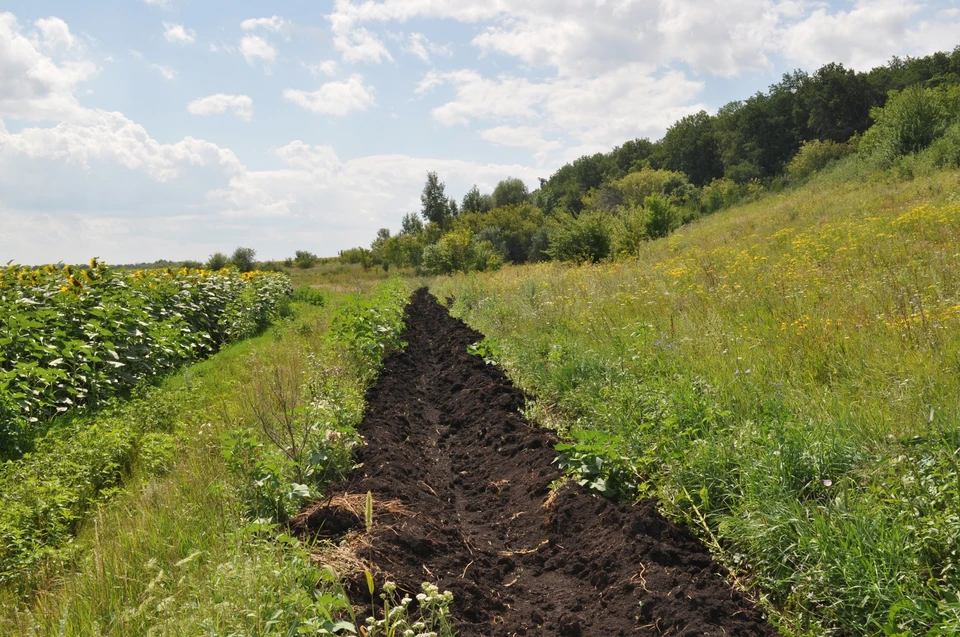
(243, 259)
(436, 206)
(510, 191)
(411, 224)
(218, 261)
(691, 148)
(473, 201)
(304, 259)
(837, 103)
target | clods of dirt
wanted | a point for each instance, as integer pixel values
(475, 513)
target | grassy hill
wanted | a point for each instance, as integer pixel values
(783, 375)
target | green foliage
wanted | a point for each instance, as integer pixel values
(243, 259)
(473, 201)
(639, 185)
(690, 146)
(309, 294)
(75, 467)
(662, 217)
(14, 429)
(436, 208)
(510, 229)
(909, 122)
(630, 231)
(218, 261)
(815, 155)
(510, 192)
(411, 225)
(370, 329)
(722, 193)
(71, 338)
(450, 254)
(593, 461)
(944, 152)
(586, 238)
(488, 349)
(304, 259)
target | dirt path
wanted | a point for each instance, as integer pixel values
(444, 438)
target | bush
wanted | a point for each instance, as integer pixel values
(486, 257)
(243, 259)
(815, 155)
(585, 238)
(639, 185)
(14, 438)
(218, 261)
(945, 152)
(307, 294)
(911, 120)
(304, 260)
(630, 231)
(721, 193)
(662, 217)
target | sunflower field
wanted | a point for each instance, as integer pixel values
(71, 336)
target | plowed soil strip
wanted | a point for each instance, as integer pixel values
(473, 511)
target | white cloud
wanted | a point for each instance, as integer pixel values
(327, 67)
(273, 23)
(163, 4)
(595, 112)
(110, 137)
(430, 81)
(356, 44)
(38, 77)
(419, 45)
(167, 72)
(867, 35)
(240, 105)
(178, 33)
(334, 98)
(254, 48)
(56, 35)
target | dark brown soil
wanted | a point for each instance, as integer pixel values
(444, 439)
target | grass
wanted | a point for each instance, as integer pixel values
(180, 553)
(784, 376)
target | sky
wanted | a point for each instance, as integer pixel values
(137, 130)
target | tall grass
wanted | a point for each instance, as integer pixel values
(180, 554)
(784, 372)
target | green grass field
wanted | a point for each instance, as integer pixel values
(784, 376)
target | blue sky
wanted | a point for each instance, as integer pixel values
(135, 130)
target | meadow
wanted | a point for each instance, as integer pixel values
(782, 375)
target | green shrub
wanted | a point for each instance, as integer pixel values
(909, 122)
(815, 155)
(662, 217)
(584, 238)
(309, 295)
(630, 231)
(721, 193)
(945, 151)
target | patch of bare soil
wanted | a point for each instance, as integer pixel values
(471, 510)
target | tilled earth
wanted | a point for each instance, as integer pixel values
(473, 511)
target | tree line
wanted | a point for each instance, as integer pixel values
(608, 204)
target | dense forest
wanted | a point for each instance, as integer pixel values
(606, 204)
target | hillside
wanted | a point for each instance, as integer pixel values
(782, 376)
